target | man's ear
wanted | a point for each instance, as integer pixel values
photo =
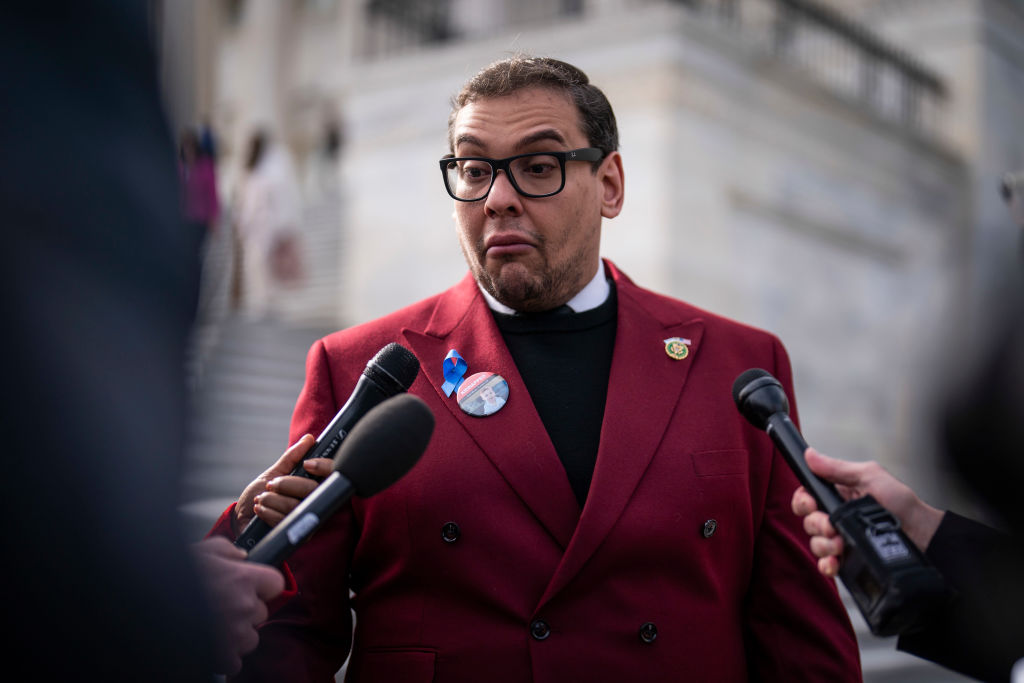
(612, 185)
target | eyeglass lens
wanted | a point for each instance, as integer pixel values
(537, 174)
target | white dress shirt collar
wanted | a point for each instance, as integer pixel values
(591, 296)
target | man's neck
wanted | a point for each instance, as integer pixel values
(593, 294)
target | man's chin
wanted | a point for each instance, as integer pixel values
(516, 290)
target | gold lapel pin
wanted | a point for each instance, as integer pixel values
(677, 348)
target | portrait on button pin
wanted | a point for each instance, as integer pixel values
(483, 394)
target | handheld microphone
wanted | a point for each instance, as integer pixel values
(391, 371)
(893, 584)
(379, 451)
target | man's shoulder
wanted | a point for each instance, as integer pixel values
(380, 331)
(374, 334)
(672, 311)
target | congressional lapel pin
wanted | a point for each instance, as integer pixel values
(453, 368)
(677, 348)
(483, 394)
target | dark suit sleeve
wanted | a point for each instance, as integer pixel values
(798, 629)
(981, 632)
(308, 637)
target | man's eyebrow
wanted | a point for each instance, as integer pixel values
(546, 134)
(531, 139)
(466, 139)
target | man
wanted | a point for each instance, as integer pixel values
(615, 519)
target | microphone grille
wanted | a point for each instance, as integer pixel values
(394, 368)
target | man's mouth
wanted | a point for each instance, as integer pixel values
(508, 244)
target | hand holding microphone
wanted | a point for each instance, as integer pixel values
(390, 372)
(277, 491)
(238, 592)
(854, 480)
(379, 451)
(889, 578)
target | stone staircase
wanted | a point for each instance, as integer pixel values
(245, 374)
(240, 411)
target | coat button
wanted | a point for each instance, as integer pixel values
(710, 527)
(539, 629)
(450, 532)
(648, 632)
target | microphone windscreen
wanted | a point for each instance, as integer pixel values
(394, 367)
(745, 378)
(385, 444)
(758, 396)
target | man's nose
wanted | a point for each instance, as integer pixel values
(503, 198)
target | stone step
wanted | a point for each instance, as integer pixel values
(241, 405)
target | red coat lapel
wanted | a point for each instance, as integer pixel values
(514, 438)
(646, 385)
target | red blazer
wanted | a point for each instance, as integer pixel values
(478, 565)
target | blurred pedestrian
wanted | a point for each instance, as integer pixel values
(198, 178)
(267, 226)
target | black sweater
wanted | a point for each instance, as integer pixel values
(564, 359)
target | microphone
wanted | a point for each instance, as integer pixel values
(390, 372)
(893, 584)
(379, 451)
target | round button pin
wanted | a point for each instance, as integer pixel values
(482, 394)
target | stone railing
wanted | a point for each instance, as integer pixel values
(838, 53)
(827, 47)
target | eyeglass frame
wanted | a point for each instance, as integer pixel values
(582, 154)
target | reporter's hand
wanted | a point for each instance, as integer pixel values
(854, 480)
(239, 591)
(275, 493)
(825, 544)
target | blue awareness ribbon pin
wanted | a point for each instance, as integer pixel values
(454, 369)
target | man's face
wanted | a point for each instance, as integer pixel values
(533, 254)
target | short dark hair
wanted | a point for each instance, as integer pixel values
(506, 76)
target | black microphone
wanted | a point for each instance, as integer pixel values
(390, 372)
(381, 448)
(893, 584)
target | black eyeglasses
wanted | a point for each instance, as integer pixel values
(541, 174)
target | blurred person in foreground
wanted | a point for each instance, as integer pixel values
(99, 281)
(980, 633)
(616, 518)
